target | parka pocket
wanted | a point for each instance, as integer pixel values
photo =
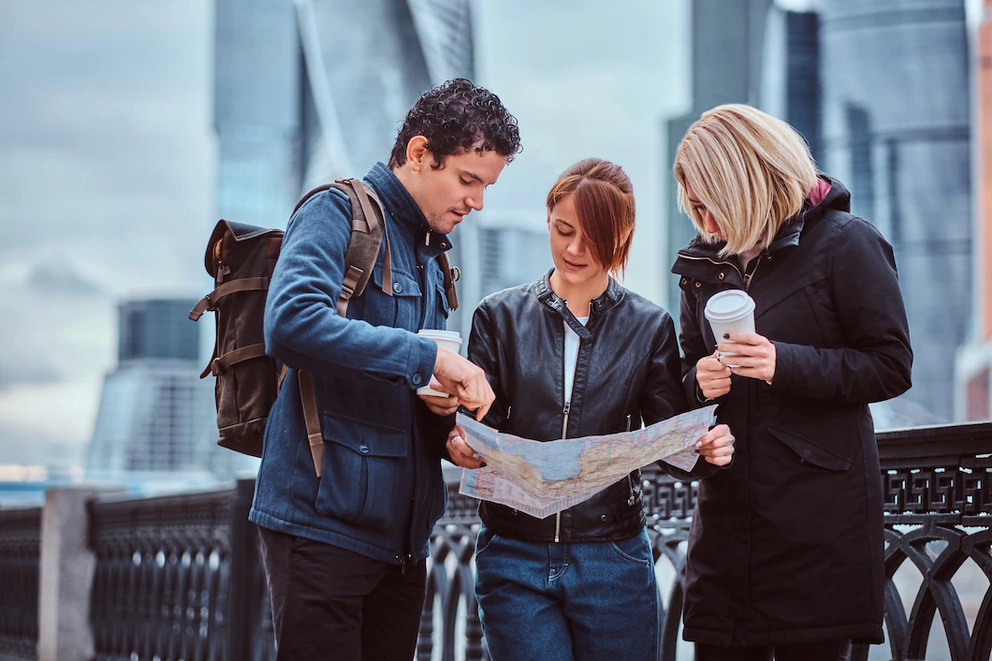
(362, 473)
(811, 452)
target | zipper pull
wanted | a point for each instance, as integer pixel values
(567, 406)
(427, 241)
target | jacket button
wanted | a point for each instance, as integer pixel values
(397, 287)
(604, 518)
(364, 449)
(722, 276)
(417, 379)
(420, 267)
(444, 245)
(684, 282)
(698, 284)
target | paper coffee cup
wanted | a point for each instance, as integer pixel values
(451, 340)
(730, 311)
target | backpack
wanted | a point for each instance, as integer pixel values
(241, 258)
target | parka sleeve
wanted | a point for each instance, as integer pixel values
(664, 397)
(302, 327)
(693, 349)
(877, 362)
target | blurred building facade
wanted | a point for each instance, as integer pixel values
(726, 67)
(974, 362)
(897, 133)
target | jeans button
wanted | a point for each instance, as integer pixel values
(364, 449)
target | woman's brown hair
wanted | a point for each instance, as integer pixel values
(604, 201)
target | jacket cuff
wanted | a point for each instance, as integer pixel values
(785, 360)
(423, 355)
(690, 386)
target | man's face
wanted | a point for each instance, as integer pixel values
(448, 194)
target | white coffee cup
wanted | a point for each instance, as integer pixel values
(451, 340)
(730, 311)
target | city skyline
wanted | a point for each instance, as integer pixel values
(109, 170)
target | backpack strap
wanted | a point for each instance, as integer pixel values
(315, 436)
(368, 230)
(452, 274)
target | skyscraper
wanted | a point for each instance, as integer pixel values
(313, 90)
(897, 133)
(156, 419)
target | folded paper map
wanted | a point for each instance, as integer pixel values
(545, 477)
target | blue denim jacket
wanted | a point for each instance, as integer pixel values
(381, 489)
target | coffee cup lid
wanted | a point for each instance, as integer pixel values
(729, 304)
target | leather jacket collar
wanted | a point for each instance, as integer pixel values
(613, 295)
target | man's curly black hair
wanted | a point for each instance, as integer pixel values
(455, 117)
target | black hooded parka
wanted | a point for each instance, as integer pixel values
(786, 545)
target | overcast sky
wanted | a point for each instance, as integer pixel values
(106, 178)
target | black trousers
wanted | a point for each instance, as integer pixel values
(831, 651)
(332, 603)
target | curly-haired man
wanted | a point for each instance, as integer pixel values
(345, 552)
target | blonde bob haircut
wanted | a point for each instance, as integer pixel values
(749, 169)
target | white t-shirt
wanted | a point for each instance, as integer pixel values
(571, 355)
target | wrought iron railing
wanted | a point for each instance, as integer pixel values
(181, 577)
(938, 527)
(20, 571)
(176, 578)
(938, 523)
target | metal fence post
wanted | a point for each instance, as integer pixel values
(67, 565)
(244, 558)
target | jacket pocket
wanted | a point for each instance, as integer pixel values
(362, 474)
(402, 308)
(811, 452)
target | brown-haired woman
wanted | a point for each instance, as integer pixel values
(576, 354)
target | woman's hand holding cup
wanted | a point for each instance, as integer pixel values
(712, 376)
(753, 355)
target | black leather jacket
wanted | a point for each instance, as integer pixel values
(627, 373)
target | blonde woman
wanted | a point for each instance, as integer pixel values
(786, 549)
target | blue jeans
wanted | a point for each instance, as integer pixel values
(567, 602)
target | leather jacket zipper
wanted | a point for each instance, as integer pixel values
(564, 430)
(630, 481)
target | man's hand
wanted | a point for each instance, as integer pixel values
(459, 451)
(712, 376)
(754, 355)
(465, 380)
(717, 446)
(442, 406)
